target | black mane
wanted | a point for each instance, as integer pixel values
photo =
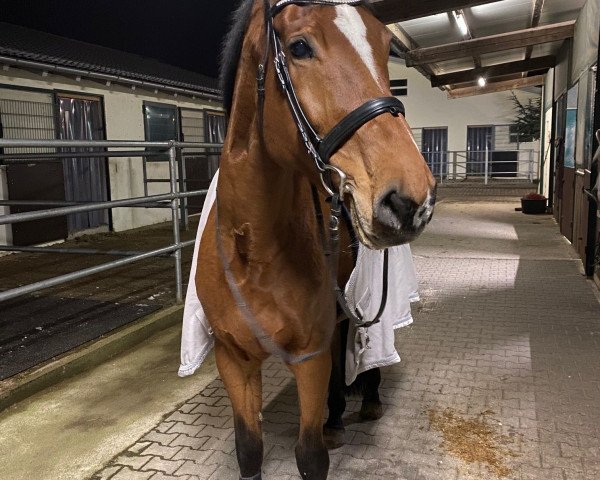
(232, 50)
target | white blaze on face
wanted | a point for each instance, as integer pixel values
(351, 24)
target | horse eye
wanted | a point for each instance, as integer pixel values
(301, 49)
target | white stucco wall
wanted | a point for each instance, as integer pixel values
(124, 121)
(428, 107)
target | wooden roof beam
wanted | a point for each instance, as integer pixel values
(393, 11)
(468, 76)
(492, 43)
(536, 16)
(497, 87)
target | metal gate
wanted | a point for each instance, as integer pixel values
(434, 146)
(480, 144)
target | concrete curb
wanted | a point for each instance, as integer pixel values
(89, 355)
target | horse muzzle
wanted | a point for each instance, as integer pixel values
(398, 219)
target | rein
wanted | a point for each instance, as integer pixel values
(320, 149)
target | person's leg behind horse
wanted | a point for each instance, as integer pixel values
(371, 408)
(242, 378)
(333, 430)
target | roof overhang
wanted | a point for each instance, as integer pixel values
(506, 41)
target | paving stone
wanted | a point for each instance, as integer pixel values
(195, 469)
(183, 440)
(107, 473)
(128, 473)
(131, 460)
(162, 476)
(158, 450)
(162, 465)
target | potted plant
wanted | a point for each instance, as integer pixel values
(533, 203)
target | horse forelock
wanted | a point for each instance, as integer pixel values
(232, 46)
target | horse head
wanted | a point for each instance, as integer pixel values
(336, 56)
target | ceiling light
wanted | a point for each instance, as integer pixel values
(461, 22)
(482, 82)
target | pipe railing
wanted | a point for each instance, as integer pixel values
(174, 200)
(459, 165)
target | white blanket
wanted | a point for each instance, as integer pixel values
(366, 348)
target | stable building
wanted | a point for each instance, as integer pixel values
(56, 88)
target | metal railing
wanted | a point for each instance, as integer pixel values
(173, 200)
(486, 165)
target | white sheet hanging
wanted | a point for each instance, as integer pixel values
(366, 348)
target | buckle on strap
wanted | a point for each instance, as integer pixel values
(356, 119)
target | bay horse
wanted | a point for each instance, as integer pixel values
(311, 116)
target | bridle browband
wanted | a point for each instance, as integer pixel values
(320, 150)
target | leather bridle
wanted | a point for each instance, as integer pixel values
(319, 148)
(322, 148)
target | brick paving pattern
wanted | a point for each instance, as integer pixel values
(516, 338)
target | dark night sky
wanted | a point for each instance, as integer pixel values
(184, 33)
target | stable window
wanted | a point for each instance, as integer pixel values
(161, 122)
(399, 87)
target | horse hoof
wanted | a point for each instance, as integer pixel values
(334, 437)
(370, 411)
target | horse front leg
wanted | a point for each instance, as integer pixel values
(312, 379)
(241, 375)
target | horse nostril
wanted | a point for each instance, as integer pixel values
(396, 211)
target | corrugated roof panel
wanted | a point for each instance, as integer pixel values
(432, 30)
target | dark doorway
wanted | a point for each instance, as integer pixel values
(504, 164)
(201, 126)
(81, 118)
(566, 127)
(435, 150)
(24, 119)
(480, 143)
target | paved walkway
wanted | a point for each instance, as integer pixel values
(500, 375)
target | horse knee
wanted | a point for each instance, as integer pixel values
(249, 450)
(312, 457)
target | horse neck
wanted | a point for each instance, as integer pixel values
(255, 190)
